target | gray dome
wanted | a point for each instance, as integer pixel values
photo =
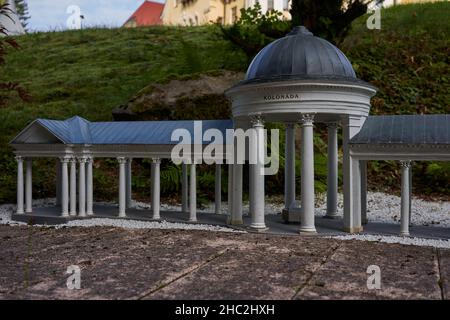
(300, 55)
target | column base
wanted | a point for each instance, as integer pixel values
(90, 213)
(122, 215)
(259, 227)
(156, 218)
(193, 220)
(83, 215)
(64, 215)
(353, 229)
(235, 222)
(331, 216)
(73, 214)
(20, 212)
(307, 231)
(404, 234)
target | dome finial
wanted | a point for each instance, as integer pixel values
(300, 30)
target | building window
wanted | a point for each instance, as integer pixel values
(233, 14)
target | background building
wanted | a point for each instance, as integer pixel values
(198, 12)
(148, 14)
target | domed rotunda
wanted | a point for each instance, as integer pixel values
(300, 80)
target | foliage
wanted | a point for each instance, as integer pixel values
(5, 43)
(254, 30)
(329, 19)
(22, 12)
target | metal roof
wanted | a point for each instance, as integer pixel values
(300, 55)
(405, 130)
(77, 130)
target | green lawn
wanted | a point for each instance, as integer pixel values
(91, 72)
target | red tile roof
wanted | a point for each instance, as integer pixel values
(148, 14)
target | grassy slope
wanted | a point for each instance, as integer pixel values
(90, 72)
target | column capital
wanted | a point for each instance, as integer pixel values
(129, 160)
(72, 159)
(89, 159)
(257, 120)
(65, 159)
(156, 160)
(405, 164)
(307, 119)
(82, 159)
(122, 160)
(332, 125)
(19, 158)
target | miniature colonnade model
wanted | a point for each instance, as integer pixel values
(78, 141)
(297, 80)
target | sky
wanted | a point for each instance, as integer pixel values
(52, 14)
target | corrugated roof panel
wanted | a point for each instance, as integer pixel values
(405, 129)
(58, 127)
(148, 132)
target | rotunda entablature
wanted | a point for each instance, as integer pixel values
(283, 100)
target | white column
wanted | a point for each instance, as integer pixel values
(122, 188)
(20, 192)
(236, 213)
(128, 180)
(218, 189)
(184, 188)
(257, 182)
(193, 193)
(58, 182)
(29, 187)
(73, 187)
(230, 193)
(278, 5)
(64, 187)
(351, 178)
(410, 173)
(332, 174)
(89, 187)
(156, 188)
(307, 178)
(405, 201)
(82, 187)
(363, 168)
(289, 170)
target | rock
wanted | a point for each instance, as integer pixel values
(198, 96)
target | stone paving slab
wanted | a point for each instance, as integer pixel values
(176, 264)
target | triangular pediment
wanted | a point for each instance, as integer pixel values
(36, 133)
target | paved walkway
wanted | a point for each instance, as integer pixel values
(174, 264)
(51, 215)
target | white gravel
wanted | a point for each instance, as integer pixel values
(382, 207)
(137, 224)
(437, 243)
